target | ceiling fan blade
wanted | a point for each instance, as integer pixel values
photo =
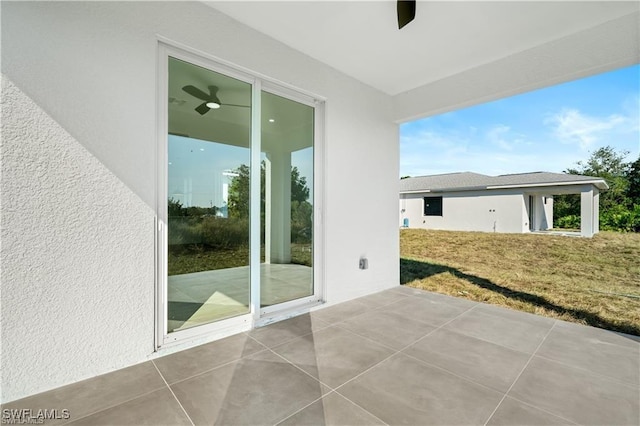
(194, 91)
(235, 105)
(406, 12)
(203, 108)
(213, 92)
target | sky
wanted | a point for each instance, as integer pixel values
(201, 171)
(545, 130)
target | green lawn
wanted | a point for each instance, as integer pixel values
(197, 258)
(590, 281)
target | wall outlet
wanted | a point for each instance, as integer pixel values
(364, 263)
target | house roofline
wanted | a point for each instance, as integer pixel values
(599, 183)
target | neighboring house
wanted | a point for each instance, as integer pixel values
(513, 203)
(95, 93)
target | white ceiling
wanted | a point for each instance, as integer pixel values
(361, 38)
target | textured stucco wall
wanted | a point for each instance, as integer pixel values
(77, 257)
(88, 273)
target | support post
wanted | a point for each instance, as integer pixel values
(278, 208)
(586, 212)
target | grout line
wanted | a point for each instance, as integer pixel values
(174, 395)
(111, 406)
(317, 379)
(224, 364)
(462, 333)
(362, 408)
(522, 371)
(400, 351)
(341, 327)
(308, 405)
(435, 328)
(590, 372)
(444, 370)
(543, 410)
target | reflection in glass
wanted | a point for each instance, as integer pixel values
(208, 196)
(287, 200)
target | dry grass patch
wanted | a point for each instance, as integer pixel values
(590, 281)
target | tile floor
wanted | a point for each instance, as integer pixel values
(402, 356)
(201, 297)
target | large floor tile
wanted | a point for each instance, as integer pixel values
(403, 390)
(388, 328)
(190, 362)
(256, 390)
(577, 395)
(156, 408)
(486, 363)
(521, 332)
(432, 312)
(437, 297)
(280, 332)
(594, 349)
(341, 311)
(512, 412)
(382, 298)
(95, 394)
(333, 355)
(332, 409)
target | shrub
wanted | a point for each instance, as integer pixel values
(619, 218)
(571, 221)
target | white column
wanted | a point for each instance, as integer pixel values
(586, 212)
(278, 208)
(596, 210)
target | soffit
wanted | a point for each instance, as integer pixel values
(361, 38)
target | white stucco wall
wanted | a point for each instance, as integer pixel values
(543, 211)
(485, 211)
(79, 179)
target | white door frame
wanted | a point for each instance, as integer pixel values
(256, 316)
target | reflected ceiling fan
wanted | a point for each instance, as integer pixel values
(210, 100)
(406, 12)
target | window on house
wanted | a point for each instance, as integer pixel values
(433, 206)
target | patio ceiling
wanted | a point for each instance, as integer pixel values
(549, 42)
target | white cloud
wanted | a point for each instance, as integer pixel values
(500, 136)
(572, 126)
(493, 151)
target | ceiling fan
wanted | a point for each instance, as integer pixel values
(406, 12)
(210, 100)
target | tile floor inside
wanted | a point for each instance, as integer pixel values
(202, 297)
(402, 356)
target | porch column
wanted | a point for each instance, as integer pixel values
(586, 212)
(278, 207)
(596, 210)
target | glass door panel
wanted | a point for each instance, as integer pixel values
(287, 200)
(209, 122)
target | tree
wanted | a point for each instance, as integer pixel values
(609, 164)
(604, 162)
(633, 179)
(238, 200)
(299, 188)
(301, 208)
(620, 204)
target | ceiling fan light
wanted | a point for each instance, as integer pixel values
(213, 105)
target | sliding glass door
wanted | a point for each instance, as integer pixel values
(209, 147)
(287, 206)
(222, 132)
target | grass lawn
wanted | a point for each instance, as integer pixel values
(590, 281)
(198, 258)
